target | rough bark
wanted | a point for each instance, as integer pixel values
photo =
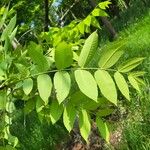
(106, 22)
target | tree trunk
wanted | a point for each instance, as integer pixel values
(46, 21)
(106, 22)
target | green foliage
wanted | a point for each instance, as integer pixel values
(63, 52)
(27, 86)
(36, 54)
(62, 84)
(133, 82)
(110, 56)
(69, 117)
(27, 75)
(106, 85)
(122, 84)
(129, 65)
(103, 129)
(88, 50)
(56, 111)
(84, 124)
(3, 100)
(8, 30)
(44, 85)
(86, 84)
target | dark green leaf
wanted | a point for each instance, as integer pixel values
(56, 111)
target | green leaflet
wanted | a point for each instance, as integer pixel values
(44, 85)
(63, 55)
(137, 76)
(13, 34)
(130, 64)
(86, 84)
(96, 12)
(103, 129)
(8, 30)
(3, 99)
(56, 111)
(10, 107)
(122, 84)
(134, 83)
(106, 85)
(137, 73)
(140, 81)
(39, 104)
(62, 84)
(88, 49)
(84, 124)
(104, 5)
(111, 55)
(69, 116)
(81, 27)
(95, 23)
(27, 86)
(35, 53)
(87, 21)
(2, 21)
(87, 29)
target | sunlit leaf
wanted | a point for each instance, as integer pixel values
(62, 84)
(9, 28)
(134, 83)
(110, 55)
(87, 20)
(84, 124)
(88, 49)
(122, 84)
(69, 117)
(63, 55)
(130, 64)
(44, 85)
(106, 85)
(104, 5)
(27, 86)
(87, 84)
(103, 129)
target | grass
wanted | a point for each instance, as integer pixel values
(137, 36)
